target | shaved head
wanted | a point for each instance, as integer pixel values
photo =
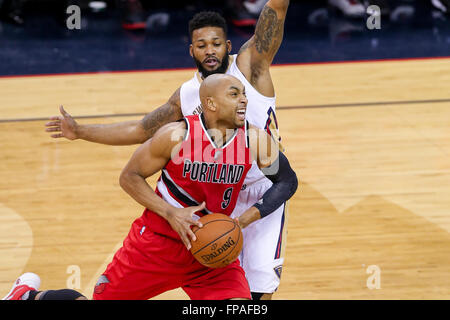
(223, 100)
(215, 85)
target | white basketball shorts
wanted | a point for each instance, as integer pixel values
(262, 254)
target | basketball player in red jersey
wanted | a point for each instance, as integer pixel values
(210, 50)
(203, 162)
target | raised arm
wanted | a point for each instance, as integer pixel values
(256, 55)
(121, 133)
(149, 159)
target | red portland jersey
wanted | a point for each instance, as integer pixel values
(201, 171)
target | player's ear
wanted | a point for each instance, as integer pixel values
(228, 46)
(210, 104)
(191, 48)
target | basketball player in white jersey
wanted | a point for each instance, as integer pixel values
(261, 257)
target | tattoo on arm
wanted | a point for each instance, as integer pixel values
(168, 112)
(269, 31)
(156, 119)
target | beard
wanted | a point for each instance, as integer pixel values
(221, 69)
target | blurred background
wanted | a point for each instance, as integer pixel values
(119, 35)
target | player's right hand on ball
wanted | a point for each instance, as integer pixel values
(180, 219)
(63, 126)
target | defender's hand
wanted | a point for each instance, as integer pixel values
(180, 219)
(64, 126)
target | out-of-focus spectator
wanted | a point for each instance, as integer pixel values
(12, 11)
(254, 7)
(350, 8)
(239, 15)
(133, 14)
(442, 5)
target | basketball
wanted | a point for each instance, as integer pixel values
(219, 241)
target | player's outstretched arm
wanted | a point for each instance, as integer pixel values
(149, 159)
(275, 166)
(122, 133)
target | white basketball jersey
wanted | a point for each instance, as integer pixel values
(260, 110)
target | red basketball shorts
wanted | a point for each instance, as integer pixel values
(149, 264)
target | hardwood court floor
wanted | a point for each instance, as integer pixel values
(370, 143)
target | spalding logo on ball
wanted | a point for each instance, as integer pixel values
(219, 241)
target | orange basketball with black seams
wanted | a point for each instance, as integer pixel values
(219, 241)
